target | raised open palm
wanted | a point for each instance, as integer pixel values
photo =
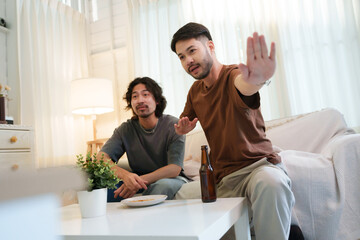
(260, 66)
(185, 125)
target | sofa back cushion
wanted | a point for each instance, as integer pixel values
(308, 132)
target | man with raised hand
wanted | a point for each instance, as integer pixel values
(226, 101)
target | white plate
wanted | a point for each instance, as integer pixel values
(144, 200)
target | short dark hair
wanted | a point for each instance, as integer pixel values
(190, 30)
(152, 87)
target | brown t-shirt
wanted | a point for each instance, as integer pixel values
(234, 130)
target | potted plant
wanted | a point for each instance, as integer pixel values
(100, 177)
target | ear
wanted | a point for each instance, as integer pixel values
(211, 45)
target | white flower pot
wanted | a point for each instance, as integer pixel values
(93, 204)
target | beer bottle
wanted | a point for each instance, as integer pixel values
(207, 180)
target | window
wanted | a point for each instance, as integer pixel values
(75, 4)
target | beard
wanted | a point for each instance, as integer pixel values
(206, 64)
(144, 113)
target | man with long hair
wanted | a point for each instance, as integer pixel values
(154, 151)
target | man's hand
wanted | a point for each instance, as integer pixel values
(132, 184)
(259, 66)
(185, 125)
(124, 192)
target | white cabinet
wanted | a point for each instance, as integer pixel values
(16, 147)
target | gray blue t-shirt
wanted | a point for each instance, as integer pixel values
(147, 150)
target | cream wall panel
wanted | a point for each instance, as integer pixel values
(106, 71)
(102, 59)
(122, 63)
(101, 37)
(119, 43)
(100, 26)
(102, 3)
(120, 34)
(118, 2)
(119, 8)
(2, 8)
(104, 13)
(98, 48)
(13, 79)
(3, 55)
(3, 58)
(119, 21)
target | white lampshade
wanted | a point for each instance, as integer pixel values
(91, 96)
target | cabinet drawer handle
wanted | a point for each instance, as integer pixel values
(14, 167)
(13, 139)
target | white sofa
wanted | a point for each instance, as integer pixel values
(322, 157)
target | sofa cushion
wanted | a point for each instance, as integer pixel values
(192, 155)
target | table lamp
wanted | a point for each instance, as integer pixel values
(92, 96)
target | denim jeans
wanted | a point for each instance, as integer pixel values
(165, 186)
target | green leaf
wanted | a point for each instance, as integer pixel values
(99, 172)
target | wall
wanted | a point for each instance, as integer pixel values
(3, 52)
(9, 58)
(109, 56)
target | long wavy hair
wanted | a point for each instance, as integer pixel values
(152, 87)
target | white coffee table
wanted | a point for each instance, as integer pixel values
(175, 219)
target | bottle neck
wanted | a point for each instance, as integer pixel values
(204, 156)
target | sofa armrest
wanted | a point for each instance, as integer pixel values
(342, 144)
(344, 152)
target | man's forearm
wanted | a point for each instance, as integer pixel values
(169, 171)
(247, 89)
(118, 170)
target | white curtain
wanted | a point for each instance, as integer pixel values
(152, 26)
(52, 52)
(318, 49)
